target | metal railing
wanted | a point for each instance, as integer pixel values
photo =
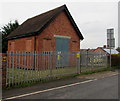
(91, 61)
(26, 67)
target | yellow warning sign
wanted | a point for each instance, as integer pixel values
(58, 57)
(78, 55)
(4, 58)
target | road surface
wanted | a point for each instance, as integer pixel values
(105, 88)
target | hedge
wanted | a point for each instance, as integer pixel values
(115, 60)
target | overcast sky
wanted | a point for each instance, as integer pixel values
(92, 18)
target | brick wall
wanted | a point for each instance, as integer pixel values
(21, 44)
(59, 26)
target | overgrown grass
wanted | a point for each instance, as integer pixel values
(22, 75)
(45, 76)
(41, 81)
(16, 75)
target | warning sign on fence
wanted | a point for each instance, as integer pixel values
(58, 57)
(4, 58)
(78, 55)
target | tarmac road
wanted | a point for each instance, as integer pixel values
(104, 88)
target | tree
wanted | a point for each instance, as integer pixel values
(5, 31)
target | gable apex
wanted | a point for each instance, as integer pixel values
(37, 24)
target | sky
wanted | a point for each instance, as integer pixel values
(93, 18)
(119, 25)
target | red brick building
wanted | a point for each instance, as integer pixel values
(54, 30)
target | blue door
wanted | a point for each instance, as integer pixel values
(62, 49)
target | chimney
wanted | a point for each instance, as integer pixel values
(104, 46)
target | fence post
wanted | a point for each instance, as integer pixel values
(12, 67)
(4, 62)
(78, 63)
(106, 58)
(79, 70)
(51, 54)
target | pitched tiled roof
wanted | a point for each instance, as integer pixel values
(36, 24)
(87, 50)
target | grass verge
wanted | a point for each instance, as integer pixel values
(45, 80)
(55, 78)
(95, 71)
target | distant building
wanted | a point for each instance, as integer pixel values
(118, 50)
(105, 50)
(87, 50)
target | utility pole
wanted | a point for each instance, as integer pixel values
(110, 51)
(110, 43)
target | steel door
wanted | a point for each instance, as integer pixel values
(62, 49)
